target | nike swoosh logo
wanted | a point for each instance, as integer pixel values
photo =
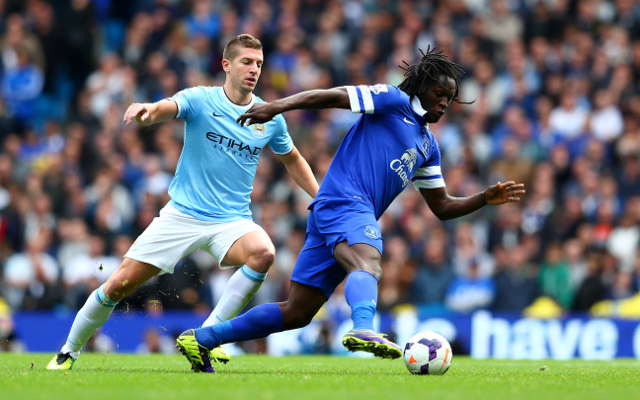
(216, 115)
(408, 122)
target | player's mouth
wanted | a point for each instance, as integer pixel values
(439, 113)
(251, 81)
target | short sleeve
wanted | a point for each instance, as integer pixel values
(189, 101)
(374, 99)
(280, 142)
(429, 176)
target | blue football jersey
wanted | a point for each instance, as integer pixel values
(215, 173)
(387, 147)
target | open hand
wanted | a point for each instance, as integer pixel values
(139, 111)
(259, 113)
(508, 192)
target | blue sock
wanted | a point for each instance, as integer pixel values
(361, 292)
(259, 322)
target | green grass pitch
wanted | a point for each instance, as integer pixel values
(259, 377)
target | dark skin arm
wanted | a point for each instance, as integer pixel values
(447, 207)
(260, 113)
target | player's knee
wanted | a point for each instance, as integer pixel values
(117, 290)
(127, 278)
(373, 269)
(301, 320)
(294, 317)
(262, 258)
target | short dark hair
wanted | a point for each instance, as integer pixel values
(419, 77)
(244, 40)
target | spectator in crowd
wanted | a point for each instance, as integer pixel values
(624, 241)
(490, 94)
(17, 37)
(84, 272)
(574, 253)
(21, 86)
(516, 286)
(593, 288)
(503, 26)
(471, 291)
(605, 123)
(554, 277)
(432, 275)
(569, 119)
(31, 276)
(396, 262)
(105, 85)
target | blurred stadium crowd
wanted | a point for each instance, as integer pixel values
(556, 85)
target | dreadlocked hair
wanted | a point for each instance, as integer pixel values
(419, 77)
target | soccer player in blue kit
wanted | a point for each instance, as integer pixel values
(210, 196)
(389, 146)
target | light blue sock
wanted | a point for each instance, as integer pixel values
(259, 322)
(103, 298)
(90, 317)
(240, 288)
(361, 293)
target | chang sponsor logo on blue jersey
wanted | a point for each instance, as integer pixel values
(403, 166)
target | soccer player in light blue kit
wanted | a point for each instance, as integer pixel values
(210, 196)
(388, 147)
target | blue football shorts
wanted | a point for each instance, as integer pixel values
(331, 222)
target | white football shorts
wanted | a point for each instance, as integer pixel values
(173, 235)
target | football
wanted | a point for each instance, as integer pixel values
(427, 353)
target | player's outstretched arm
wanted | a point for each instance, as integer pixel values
(446, 207)
(317, 98)
(150, 113)
(500, 193)
(300, 171)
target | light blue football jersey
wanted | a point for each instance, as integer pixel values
(388, 147)
(215, 173)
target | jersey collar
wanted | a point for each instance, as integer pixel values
(417, 108)
(240, 106)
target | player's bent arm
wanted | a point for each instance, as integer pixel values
(446, 207)
(259, 113)
(300, 171)
(151, 113)
(337, 97)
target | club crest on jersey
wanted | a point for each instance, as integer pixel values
(425, 147)
(259, 130)
(371, 232)
(379, 88)
(404, 165)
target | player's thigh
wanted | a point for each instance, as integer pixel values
(128, 278)
(354, 234)
(254, 248)
(316, 267)
(359, 256)
(168, 239)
